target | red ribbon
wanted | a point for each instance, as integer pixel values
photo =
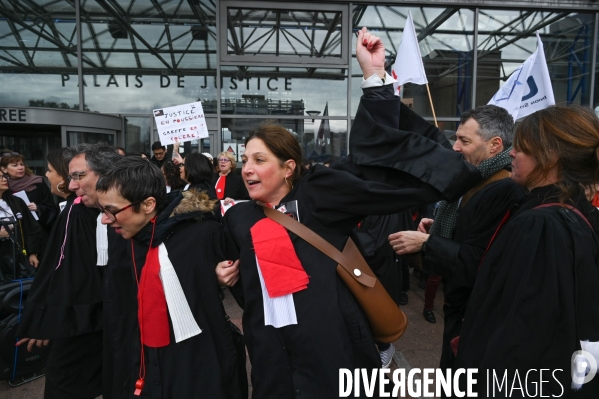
(281, 269)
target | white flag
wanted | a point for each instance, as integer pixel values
(408, 66)
(529, 88)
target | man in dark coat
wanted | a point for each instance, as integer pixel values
(159, 154)
(178, 343)
(457, 239)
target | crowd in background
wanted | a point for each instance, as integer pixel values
(131, 254)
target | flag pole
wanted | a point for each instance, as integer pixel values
(431, 101)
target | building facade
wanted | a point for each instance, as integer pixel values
(93, 70)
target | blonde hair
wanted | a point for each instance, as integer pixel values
(230, 156)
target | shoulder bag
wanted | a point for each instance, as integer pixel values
(387, 321)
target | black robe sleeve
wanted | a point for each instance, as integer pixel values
(388, 170)
(33, 235)
(374, 143)
(47, 211)
(66, 300)
(477, 222)
(232, 253)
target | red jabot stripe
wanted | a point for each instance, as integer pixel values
(281, 268)
(220, 187)
(152, 312)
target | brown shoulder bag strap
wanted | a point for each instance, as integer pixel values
(319, 243)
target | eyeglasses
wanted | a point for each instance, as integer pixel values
(76, 176)
(4, 177)
(224, 160)
(112, 214)
(7, 154)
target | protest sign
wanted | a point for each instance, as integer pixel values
(184, 122)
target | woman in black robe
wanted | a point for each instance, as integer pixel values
(64, 304)
(203, 361)
(20, 241)
(21, 178)
(388, 170)
(228, 184)
(534, 303)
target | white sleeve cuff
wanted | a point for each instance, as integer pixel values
(376, 81)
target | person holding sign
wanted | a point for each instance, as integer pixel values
(302, 321)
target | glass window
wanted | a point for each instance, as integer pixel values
(162, 54)
(138, 134)
(275, 33)
(445, 36)
(507, 38)
(35, 52)
(320, 139)
(284, 91)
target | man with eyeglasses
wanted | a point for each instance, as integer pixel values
(66, 302)
(180, 333)
(159, 153)
(119, 289)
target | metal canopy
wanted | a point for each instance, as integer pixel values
(118, 36)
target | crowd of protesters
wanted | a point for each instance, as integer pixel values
(131, 266)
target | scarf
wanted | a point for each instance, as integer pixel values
(26, 183)
(447, 213)
(159, 290)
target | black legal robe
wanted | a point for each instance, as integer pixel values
(387, 171)
(372, 239)
(65, 305)
(459, 257)
(535, 296)
(202, 366)
(67, 301)
(120, 318)
(47, 211)
(234, 186)
(30, 237)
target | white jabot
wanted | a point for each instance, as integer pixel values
(280, 311)
(184, 324)
(101, 242)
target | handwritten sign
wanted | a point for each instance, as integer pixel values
(184, 122)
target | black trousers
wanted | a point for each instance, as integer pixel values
(74, 368)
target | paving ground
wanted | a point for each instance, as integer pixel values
(420, 347)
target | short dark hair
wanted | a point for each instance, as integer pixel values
(100, 157)
(493, 121)
(59, 158)
(198, 168)
(135, 180)
(158, 146)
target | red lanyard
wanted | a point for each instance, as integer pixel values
(139, 384)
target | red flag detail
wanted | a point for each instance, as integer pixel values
(281, 269)
(152, 313)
